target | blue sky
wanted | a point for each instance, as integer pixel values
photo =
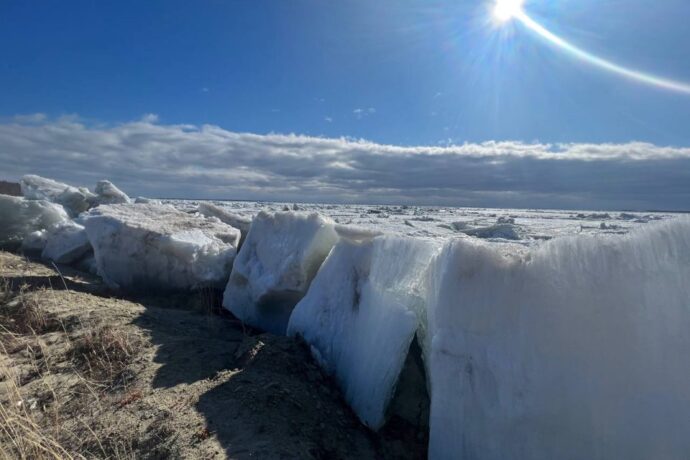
(398, 72)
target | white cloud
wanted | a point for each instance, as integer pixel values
(149, 158)
(361, 113)
(328, 119)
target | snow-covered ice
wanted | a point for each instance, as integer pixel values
(505, 231)
(532, 226)
(575, 349)
(276, 265)
(19, 217)
(75, 200)
(362, 312)
(147, 246)
(107, 193)
(66, 243)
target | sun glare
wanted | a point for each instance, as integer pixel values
(505, 10)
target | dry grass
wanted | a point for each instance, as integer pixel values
(104, 352)
(38, 421)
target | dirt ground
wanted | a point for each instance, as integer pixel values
(102, 376)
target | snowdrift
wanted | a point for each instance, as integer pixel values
(147, 246)
(360, 315)
(578, 349)
(20, 217)
(276, 265)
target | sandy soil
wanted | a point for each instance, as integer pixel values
(187, 380)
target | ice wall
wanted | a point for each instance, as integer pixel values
(276, 265)
(148, 246)
(361, 314)
(576, 350)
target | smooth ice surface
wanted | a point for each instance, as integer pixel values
(107, 193)
(147, 246)
(361, 314)
(66, 243)
(75, 200)
(577, 349)
(19, 217)
(275, 267)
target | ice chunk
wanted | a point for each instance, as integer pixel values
(66, 243)
(34, 242)
(578, 349)
(144, 200)
(146, 246)
(75, 200)
(276, 265)
(506, 231)
(240, 222)
(107, 193)
(361, 314)
(19, 217)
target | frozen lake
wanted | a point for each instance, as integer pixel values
(521, 226)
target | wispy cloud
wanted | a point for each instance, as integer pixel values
(149, 158)
(361, 113)
(328, 119)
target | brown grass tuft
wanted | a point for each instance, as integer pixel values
(104, 352)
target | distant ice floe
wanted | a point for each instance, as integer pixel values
(146, 246)
(276, 265)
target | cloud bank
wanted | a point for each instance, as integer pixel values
(145, 157)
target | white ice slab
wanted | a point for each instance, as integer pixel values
(276, 265)
(66, 243)
(146, 246)
(576, 350)
(75, 200)
(242, 223)
(360, 316)
(107, 193)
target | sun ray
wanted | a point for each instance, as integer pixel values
(506, 10)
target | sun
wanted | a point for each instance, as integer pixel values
(505, 10)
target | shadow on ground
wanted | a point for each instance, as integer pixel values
(260, 395)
